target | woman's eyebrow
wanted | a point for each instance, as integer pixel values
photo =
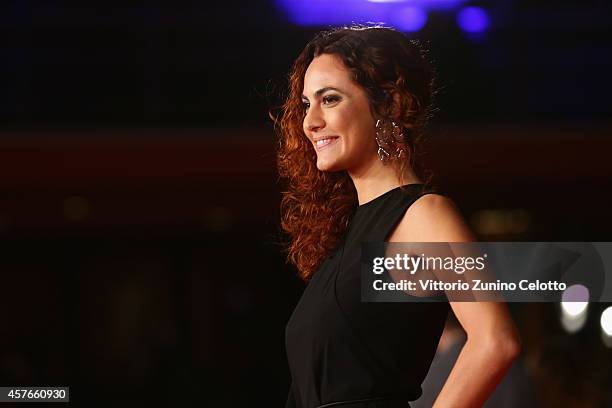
(322, 91)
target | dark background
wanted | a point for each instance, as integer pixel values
(139, 200)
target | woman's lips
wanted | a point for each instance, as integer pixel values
(325, 143)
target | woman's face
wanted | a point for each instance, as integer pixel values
(338, 120)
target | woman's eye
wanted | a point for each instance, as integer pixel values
(305, 105)
(330, 99)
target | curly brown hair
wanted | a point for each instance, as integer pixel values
(317, 206)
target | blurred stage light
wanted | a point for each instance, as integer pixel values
(574, 307)
(606, 326)
(409, 19)
(386, 12)
(606, 321)
(575, 299)
(473, 20)
(325, 12)
(495, 222)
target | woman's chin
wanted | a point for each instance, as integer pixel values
(327, 166)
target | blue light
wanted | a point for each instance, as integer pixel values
(323, 12)
(409, 19)
(339, 12)
(473, 20)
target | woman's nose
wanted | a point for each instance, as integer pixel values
(313, 121)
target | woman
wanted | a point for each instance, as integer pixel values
(349, 135)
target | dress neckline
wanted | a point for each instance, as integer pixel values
(367, 203)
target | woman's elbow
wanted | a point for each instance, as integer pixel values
(504, 347)
(511, 346)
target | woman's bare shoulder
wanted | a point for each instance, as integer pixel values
(432, 218)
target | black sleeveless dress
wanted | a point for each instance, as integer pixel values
(340, 350)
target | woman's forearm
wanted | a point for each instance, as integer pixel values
(479, 368)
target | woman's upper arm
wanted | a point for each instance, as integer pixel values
(435, 218)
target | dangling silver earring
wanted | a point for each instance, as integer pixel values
(389, 138)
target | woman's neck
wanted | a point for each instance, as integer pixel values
(379, 179)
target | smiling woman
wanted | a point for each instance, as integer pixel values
(356, 95)
(359, 98)
(337, 110)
